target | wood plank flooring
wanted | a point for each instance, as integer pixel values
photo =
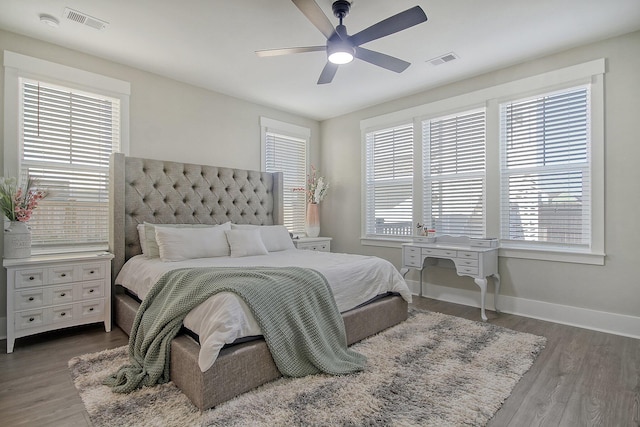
(581, 378)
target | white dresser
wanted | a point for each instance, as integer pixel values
(57, 291)
(477, 262)
(322, 244)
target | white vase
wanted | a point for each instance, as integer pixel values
(312, 225)
(17, 240)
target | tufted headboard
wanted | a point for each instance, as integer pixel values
(144, 190)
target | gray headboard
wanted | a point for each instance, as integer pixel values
(144, 190)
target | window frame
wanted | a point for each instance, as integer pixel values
(591, 73)
(17, 67)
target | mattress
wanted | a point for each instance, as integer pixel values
(225, 318)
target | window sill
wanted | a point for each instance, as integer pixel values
(567, 256)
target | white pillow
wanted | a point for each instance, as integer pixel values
(245, 243)
(150, 246)
(275, 237)
(178, 244)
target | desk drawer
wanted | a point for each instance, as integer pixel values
(412, 260)
(467, 271)
(445, 253)
(468, 254)
(463, 262)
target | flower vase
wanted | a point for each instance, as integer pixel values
(17, 240)
(312, 225)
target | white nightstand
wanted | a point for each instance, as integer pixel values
(50, 292)
(322, 244)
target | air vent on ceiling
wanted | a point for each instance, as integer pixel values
(84, 19)
(447, 57)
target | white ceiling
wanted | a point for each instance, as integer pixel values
(211, 43)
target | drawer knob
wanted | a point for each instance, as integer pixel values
(91, 291)
(91, 272)
(31, 298)
(31, 319)
(63, 275)
(62, 314)
(31, 278)
(63, 294)
(91, 309)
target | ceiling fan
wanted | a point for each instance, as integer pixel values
(341, 48)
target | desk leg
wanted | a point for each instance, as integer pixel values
(482, 282)
(496, 280)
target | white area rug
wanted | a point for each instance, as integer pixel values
(431, 370)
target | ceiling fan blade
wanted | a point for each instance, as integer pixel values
(290, 50)
(381, 60)
(312, 11)
(395, 23)
(328, 72)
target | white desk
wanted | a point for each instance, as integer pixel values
(472, 261)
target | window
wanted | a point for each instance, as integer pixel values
(522, 161)
(389, 182)
(285, 150)
(454, 173)
(62, 133)
(545, 168)
(67, 139)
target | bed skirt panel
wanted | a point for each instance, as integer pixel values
(243, 367)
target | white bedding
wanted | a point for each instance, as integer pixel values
(224, 317)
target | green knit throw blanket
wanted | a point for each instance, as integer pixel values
(294, 307)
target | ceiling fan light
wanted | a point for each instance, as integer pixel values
(340, 57)
(340, 52)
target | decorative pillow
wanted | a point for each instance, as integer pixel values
(275, 237)
(150, 246)
(143, 242)
(178, 244)
(245, 243)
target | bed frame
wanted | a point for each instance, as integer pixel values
(145, 190)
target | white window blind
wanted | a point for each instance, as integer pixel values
(66, 139)
(454, 173)
(389, 182)
(288, 154)
(546, 196)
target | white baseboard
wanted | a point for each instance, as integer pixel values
(612, 323)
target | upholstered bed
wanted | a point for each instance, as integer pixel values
(161, 192)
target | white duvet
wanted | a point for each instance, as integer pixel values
(224, 317)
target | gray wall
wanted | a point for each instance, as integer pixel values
(169, 120)
(614, 287)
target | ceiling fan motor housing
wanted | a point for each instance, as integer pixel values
(341, 8)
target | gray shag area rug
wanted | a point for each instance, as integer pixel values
(432, 370)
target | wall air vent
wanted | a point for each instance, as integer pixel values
(84, 19)
(447, 57)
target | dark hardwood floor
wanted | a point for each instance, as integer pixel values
(581, 378)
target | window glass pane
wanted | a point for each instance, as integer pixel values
(454, 174)
(288, 155)
(389, 181)
(545, 169)
(67, 139)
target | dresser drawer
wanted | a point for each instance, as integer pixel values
(29, 319)
(89, 290)
(30, 298)
(90, 308)
(30, 277)
(61, 313)
(62, 294)
(92, 271)
(61, 274)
